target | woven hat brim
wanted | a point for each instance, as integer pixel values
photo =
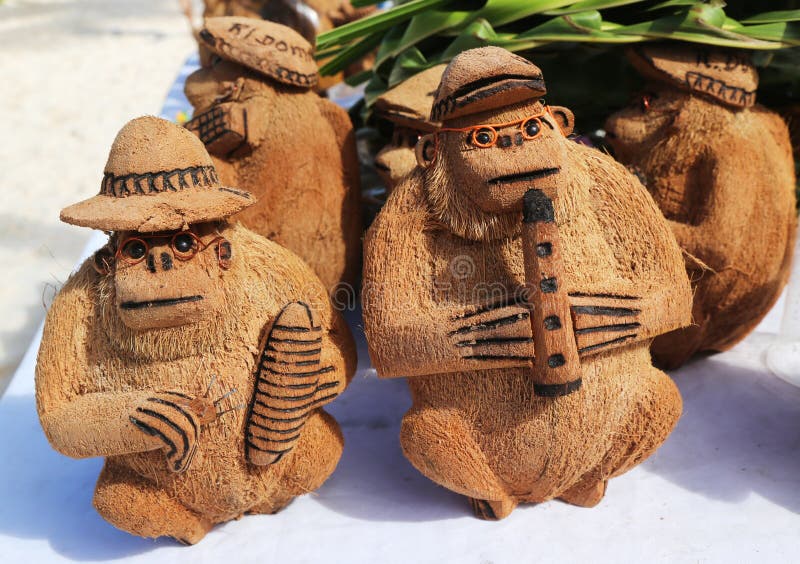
(165, 211)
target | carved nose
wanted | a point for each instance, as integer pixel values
(506, 141)
(165, 261)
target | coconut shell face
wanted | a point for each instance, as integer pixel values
(172, 284)
(652, 116)
(397, 159)
(274, 50)
(723, 176)
(495, 178)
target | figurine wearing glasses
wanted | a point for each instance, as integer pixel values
(517, 278)
(191, 353)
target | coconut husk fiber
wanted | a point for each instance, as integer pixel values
(271, 135)
(407, 108)
(720, 169)
(200, 379)
(518, 287)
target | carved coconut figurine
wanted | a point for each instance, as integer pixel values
(407, 107)
(270, 134)
(720, 169)
(190, 352)
(517, 278)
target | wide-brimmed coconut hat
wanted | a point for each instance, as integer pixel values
(158, 177)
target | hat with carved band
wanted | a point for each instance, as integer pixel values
(724, 75)
(483, 79)
(158, 177)
(268, 48)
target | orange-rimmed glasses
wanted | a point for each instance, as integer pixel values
(485, 135)
(184, 244)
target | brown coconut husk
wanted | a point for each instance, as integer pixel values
(177, 372)
(407, 108)
(503, 411)
(723, 176)
(295, 151)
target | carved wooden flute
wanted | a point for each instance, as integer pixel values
(557, 367)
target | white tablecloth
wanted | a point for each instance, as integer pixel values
(724, 487)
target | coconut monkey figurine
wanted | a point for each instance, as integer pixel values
(190, 352)
(270, 134)
(517, 278)
(720, 168)
(407, 108)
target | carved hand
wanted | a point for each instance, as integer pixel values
(174, 419)
(493, 333)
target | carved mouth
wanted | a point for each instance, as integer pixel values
(160, 303)
(381, 166)
(525, 176)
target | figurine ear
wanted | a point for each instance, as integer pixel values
(102, 260)
(564, 118)
(224, 253)
(425, 150)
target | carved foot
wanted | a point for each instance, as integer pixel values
(585, 494)
(491, 510)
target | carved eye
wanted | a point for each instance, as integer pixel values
(184, 243)
(531, 128)
(134, 249)
(647, 99)
(484, 137)
(413, 138)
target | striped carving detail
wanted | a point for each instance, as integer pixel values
(604, 321)
(290, 384)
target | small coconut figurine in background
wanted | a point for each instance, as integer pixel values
(407, 107)
(270, 134)
(720, 168)
(517, 278)
(190, 352)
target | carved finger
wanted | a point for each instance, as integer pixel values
(173, 423)
(602, 322)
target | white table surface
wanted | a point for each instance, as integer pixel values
(725, 487)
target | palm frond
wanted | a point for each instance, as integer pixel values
(418, 34)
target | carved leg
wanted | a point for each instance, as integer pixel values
(651, 420)
(655, 415)
(130, 503)
(306, 467)
(440, 444)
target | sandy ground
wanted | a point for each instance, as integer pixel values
(73, 72)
